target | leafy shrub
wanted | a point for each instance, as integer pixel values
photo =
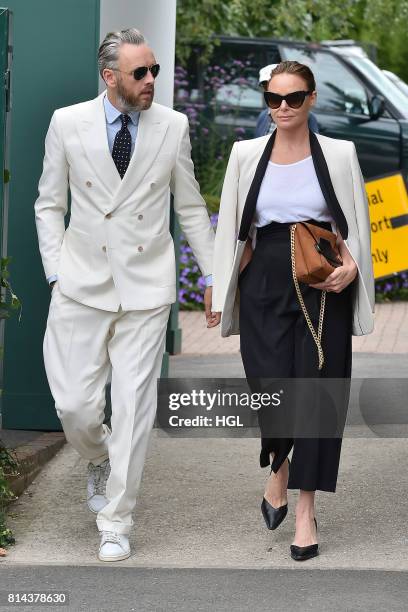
(211, 146)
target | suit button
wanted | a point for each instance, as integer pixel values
(104, 248)
(140, 217)
(140, 249)
(88, 184)
(108, 216)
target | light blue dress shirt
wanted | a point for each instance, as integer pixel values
(113, 125)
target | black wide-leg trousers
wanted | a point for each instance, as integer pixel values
(276, 343)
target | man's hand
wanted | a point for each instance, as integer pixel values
(213, 318)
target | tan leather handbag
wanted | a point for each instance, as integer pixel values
(315, 256)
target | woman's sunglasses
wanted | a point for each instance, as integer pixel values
(294, 99)
(140, 73)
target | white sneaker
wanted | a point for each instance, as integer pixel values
(114, 546)
(97, 477)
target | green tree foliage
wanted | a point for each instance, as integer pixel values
(313, 20)
(385, 23)
(380, 22)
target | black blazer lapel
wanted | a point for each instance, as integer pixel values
(252, 197)
(326, 185)
(323, 176)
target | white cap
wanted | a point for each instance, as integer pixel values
(265, 72)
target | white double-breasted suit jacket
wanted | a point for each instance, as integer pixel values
(117, 249)
(342, 185)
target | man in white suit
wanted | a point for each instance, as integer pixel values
(113, 269)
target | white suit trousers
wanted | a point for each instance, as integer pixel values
(81, 343)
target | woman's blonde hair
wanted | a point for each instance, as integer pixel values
(301, 70)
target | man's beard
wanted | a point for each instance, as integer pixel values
(129, 102)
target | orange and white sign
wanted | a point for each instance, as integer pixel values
(388, 206)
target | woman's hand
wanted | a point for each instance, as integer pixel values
(342, 276)
(339, 279)
(246, 256)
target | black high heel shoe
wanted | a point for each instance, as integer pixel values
(273, 516)
(303, 553)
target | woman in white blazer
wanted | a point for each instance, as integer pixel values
(271, 182)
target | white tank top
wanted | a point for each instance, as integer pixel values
(290, 192)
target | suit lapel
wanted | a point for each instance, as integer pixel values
(150, 135)
(323, 177)
(93, 135)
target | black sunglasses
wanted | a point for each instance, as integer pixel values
(294, 99)
(140, 73)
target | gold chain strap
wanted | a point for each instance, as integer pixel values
(316, 337)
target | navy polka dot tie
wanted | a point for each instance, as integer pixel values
(122, 147)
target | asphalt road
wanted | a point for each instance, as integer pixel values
(115, 589)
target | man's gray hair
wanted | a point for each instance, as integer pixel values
(108, 53)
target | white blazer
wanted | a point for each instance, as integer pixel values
(342, 184)
(117, 249)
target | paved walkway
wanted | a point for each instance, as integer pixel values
(390, 334)
(199, 507)
(200, 497)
